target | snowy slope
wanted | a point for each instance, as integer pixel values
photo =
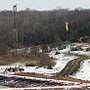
(61, 60)
(84, 72)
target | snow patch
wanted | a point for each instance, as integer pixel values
(60, 59)
(81, 53)
(84, 72)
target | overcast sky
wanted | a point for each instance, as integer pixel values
(44, 4)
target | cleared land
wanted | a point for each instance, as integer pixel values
(41, 59)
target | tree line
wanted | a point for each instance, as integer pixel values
(43, 27)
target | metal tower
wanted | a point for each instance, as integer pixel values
(15, 34)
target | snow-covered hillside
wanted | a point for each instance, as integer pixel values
(61, 59)
(84, 72)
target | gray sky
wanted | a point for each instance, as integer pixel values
(44, 4)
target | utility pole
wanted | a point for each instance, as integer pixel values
(15, 34)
